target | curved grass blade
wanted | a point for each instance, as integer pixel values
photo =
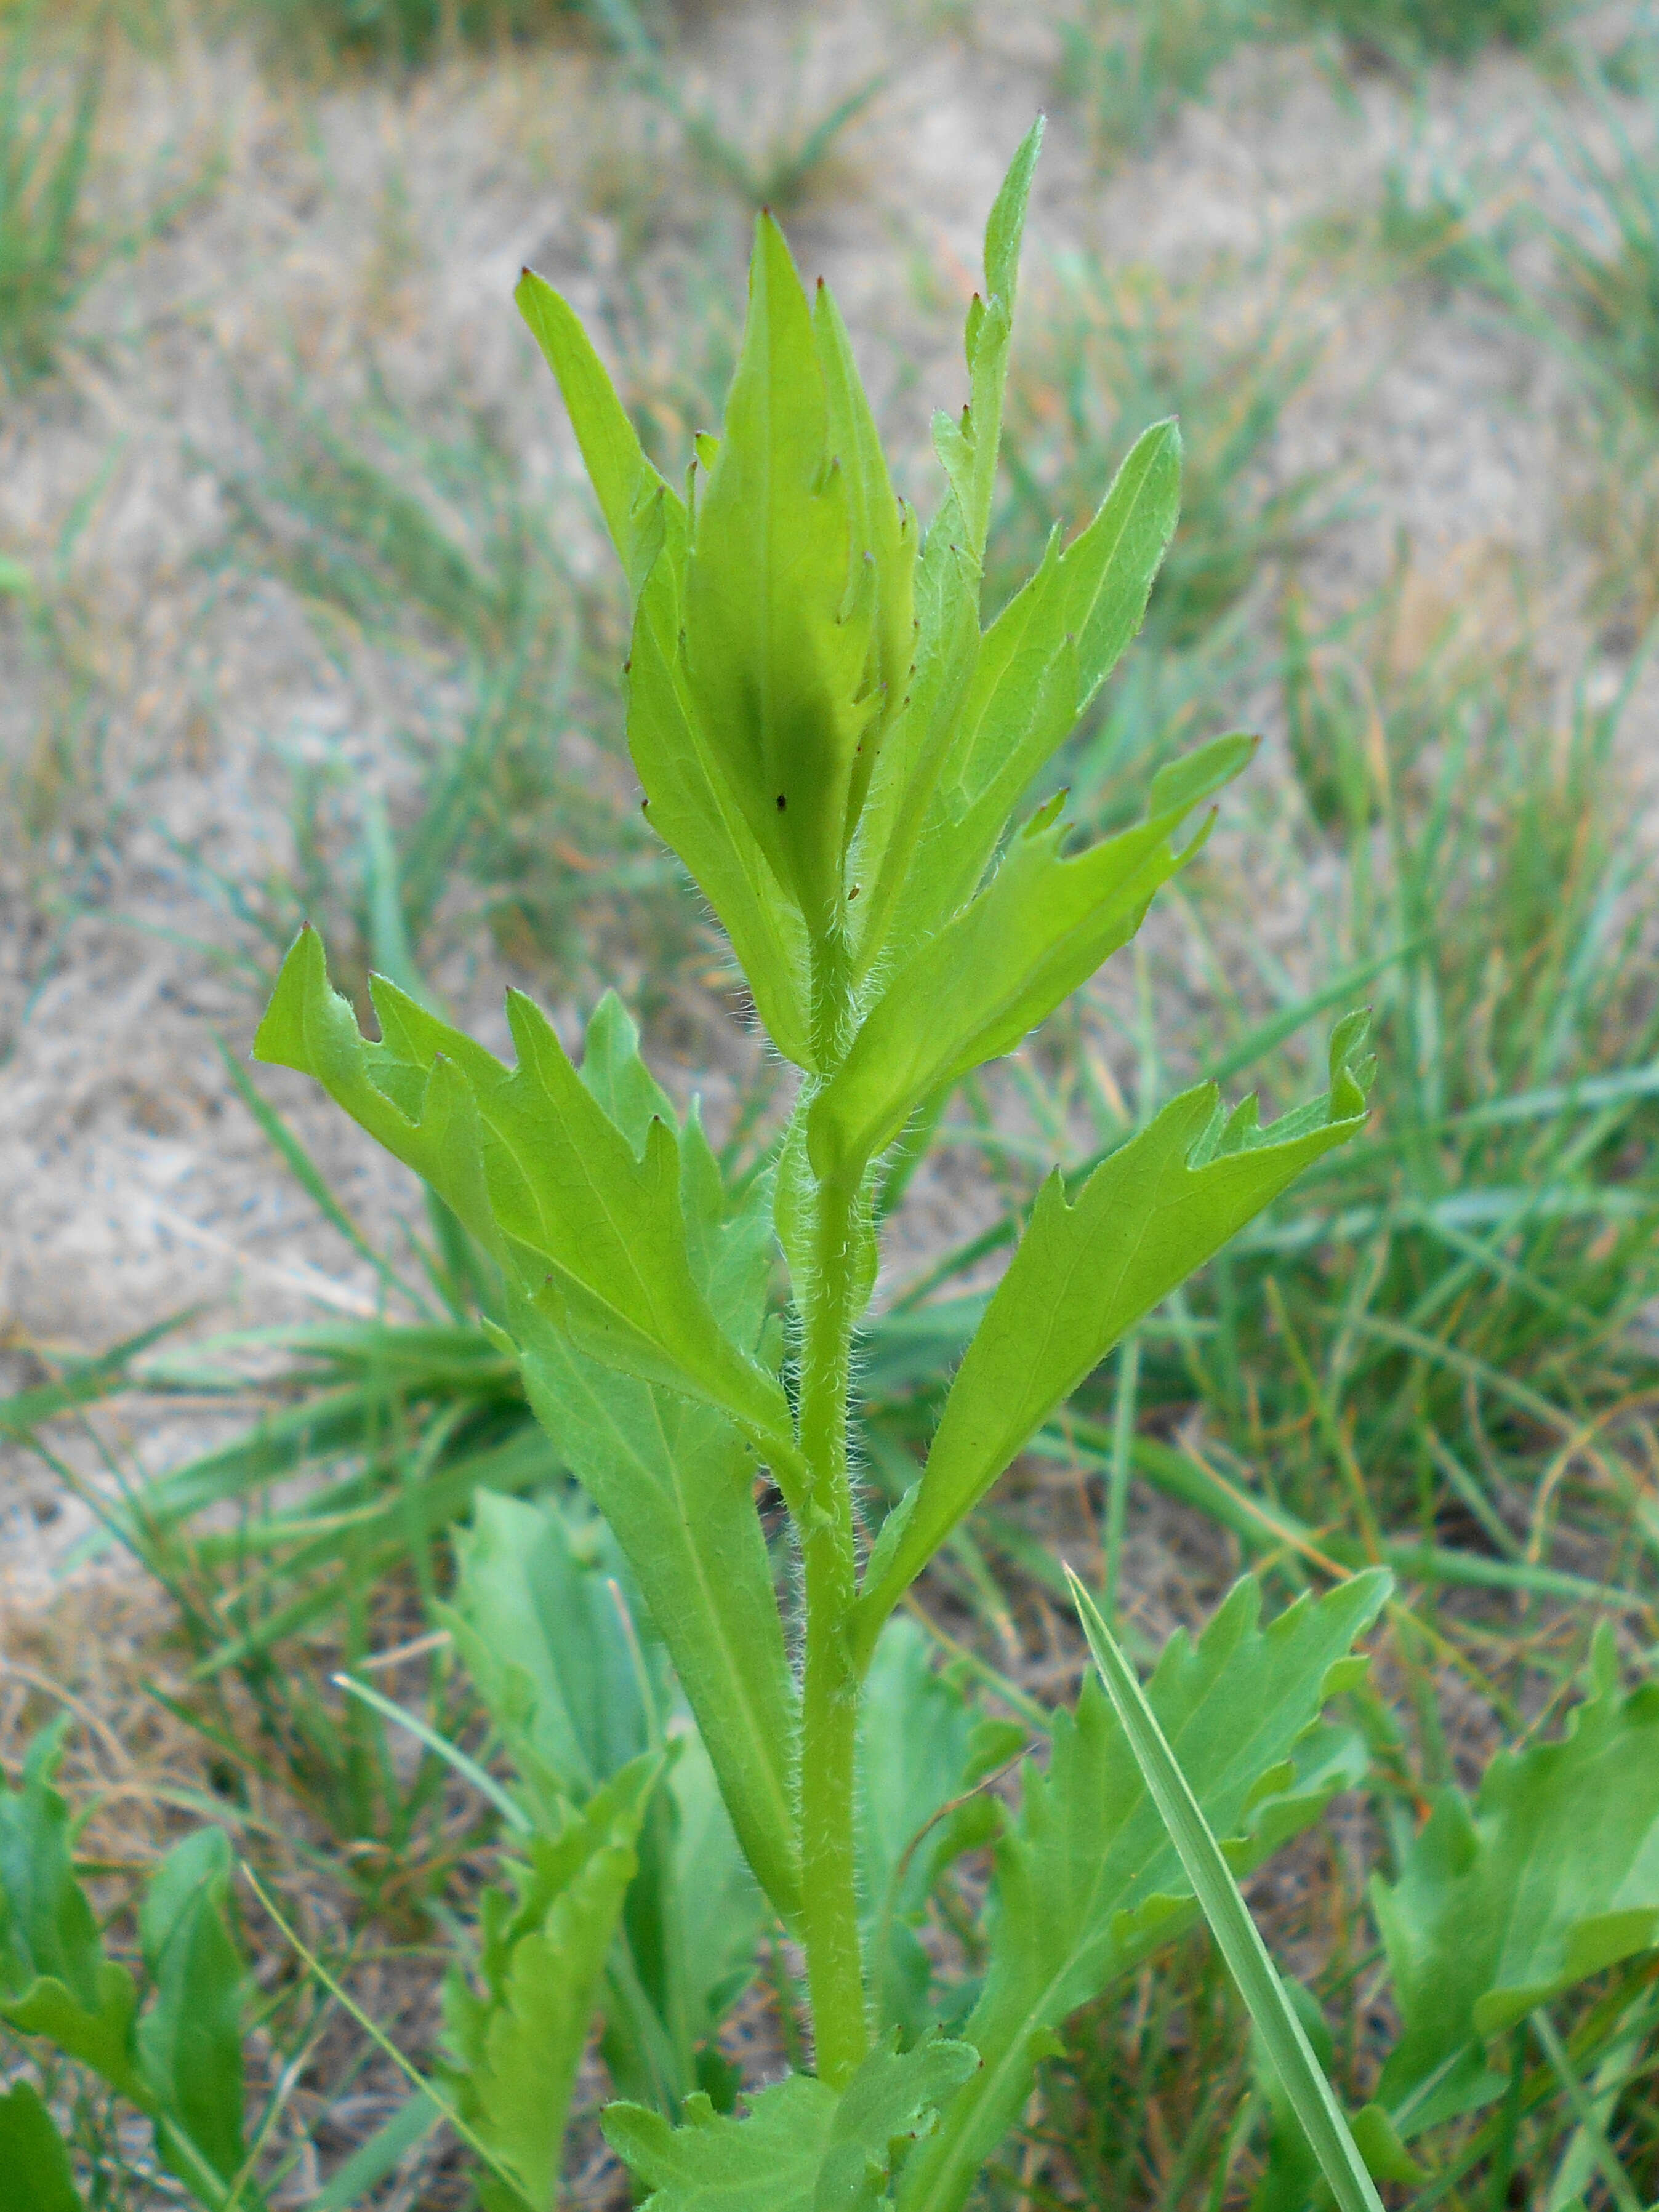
(1281, 2031)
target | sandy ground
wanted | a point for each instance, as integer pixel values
(133, 1184)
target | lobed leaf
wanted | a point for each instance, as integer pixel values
(518, 2046)
(592, 1233)
(1041, 926)
(1085, 1271)
(1088, 1881)
(801, 2148)
(55, 1981)
(1551, 1875)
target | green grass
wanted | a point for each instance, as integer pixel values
(49, 249)
(430, 572)
(1109, 350)
(402, 33)
(1129, 68)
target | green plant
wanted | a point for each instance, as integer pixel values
(176, 2054)
(834, 750)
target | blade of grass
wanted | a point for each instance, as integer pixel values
(468, 1769)
(1235, 1933)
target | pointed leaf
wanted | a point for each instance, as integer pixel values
(1041, 926)
(800, 2147)
(1088, 1882)
(35, 2168)
(883, 536)
(1551, 1875)
(629, 488)
(529, 1161)
(777, 636)
(1276, 2019)
(968, 449)
(1087, 1270)
(190, 2039)
(1041, 663)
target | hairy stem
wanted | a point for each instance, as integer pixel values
(829, 1701)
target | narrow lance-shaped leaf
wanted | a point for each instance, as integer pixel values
(1040, 664)
(968, 449)
(1041, 926)
(801, 2148)
(632, 495)
(1235, 1933)
(1553, 1874)
(1085, 1271)
(593, 1234)
(1087, 1882)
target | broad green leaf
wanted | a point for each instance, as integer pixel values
(190, 2038)
(968, 449)
(883, 536)
(35, 2168)
(542, 1638)
(1276, 2019)
(1041, 926)
(1038, 667)
(1551, 1875)
(592, 1233)
(800, 2147)
(1088, 1882)
(518, 2046)
(55, 1981)
(630, 490)
(1085, 1271)
(920, 1747)
(778, 633)
(692, 805)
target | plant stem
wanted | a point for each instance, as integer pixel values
(829, 1697)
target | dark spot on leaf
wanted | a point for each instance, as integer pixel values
(782, 802)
